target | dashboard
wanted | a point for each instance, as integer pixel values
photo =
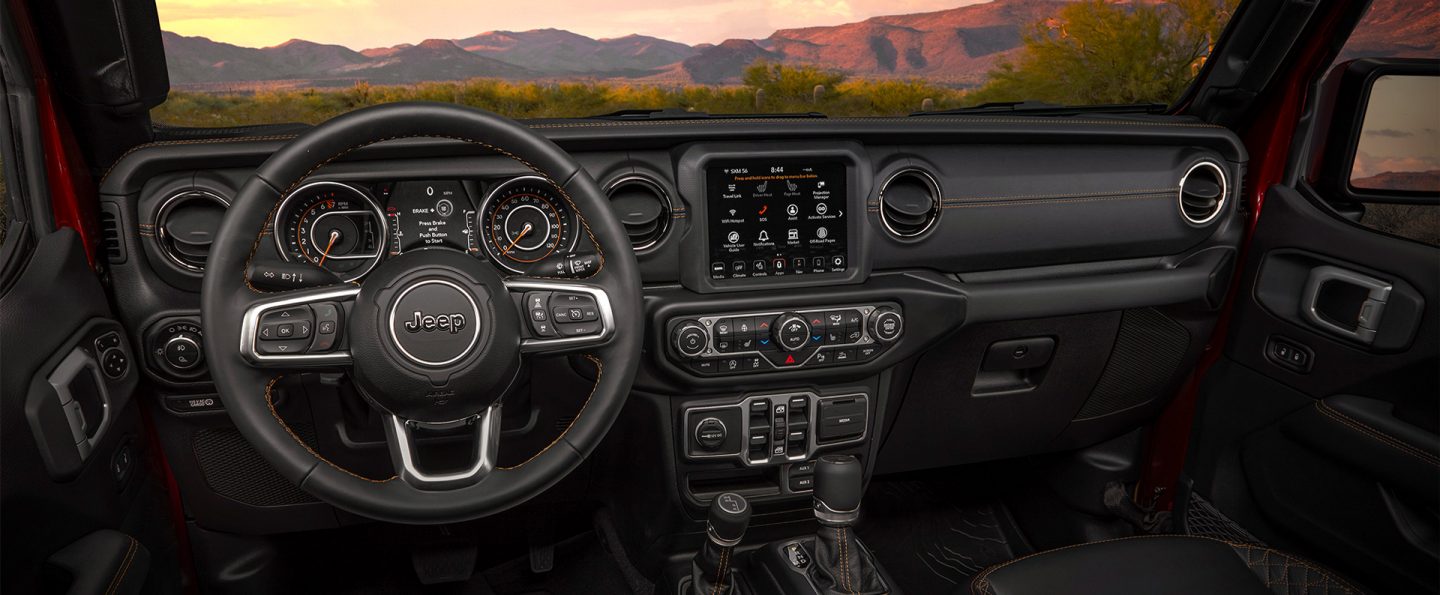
(920, 292)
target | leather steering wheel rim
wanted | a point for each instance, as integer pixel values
(245, 389)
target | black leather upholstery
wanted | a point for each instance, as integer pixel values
(842, 567)
(1160, 564)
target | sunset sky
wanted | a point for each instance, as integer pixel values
(360, 24)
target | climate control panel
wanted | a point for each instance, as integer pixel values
(754, 342)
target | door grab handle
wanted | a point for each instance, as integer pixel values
(1367, 321)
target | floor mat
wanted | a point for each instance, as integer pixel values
(582, 566)
(928, 538)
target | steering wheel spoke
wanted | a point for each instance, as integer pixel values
(562, 316)
(298, 329)
(484, 433)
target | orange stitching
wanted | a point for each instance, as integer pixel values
(1287, 560)
(1103, 193)
(119, 578)
(1062, 195)
(1379, 435)
(1027, 203)
(724, 564)
(271, 404)
(599, 372)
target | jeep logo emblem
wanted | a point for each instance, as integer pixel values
(452, 323)
(434, 322)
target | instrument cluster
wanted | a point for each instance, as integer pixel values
(521, 224)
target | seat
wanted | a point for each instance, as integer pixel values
(1160, 565)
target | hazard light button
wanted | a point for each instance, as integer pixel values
(786, 359)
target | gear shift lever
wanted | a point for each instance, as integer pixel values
(710, 571)
(841, 566)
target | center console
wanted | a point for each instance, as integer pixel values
(793, 370)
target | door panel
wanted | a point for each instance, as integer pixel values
(74, 477)
(1340, 456)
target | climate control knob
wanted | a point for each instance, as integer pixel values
(886, 324)
(691, 338)
(791, 331)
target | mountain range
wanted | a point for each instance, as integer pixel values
(956, 46)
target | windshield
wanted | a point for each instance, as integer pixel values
(239, 62)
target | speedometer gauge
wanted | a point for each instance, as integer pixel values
(524, 221)
(334, 226)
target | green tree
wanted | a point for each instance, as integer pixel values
(790, 83)
(1100, 52)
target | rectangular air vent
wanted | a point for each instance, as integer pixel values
(111, 227)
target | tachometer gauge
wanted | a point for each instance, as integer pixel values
(524, 221)
(334, 226)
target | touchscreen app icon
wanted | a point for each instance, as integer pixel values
(792, 210)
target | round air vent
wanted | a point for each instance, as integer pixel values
(909, 203)
(185, 226)
(644, 209)
(1202, 192)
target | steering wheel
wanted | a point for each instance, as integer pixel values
(432, 338)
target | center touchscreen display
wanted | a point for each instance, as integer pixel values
(772, 218)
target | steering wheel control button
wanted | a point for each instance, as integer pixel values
(711, 433)
(284, 347)
(434, 322)
(283, 325)
(327, 326)
(537, 312)
(575, 315)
